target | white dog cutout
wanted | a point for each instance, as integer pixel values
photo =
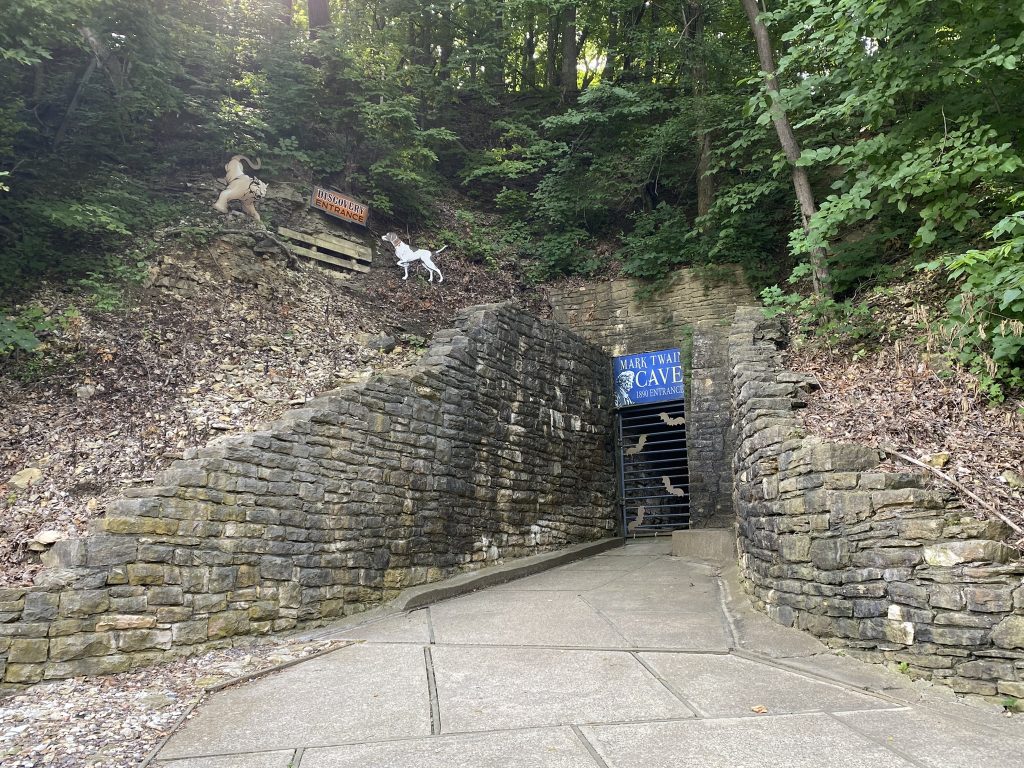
(241, 186)
(407, 256)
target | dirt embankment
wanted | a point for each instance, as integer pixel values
(225, 333)
(902, 394)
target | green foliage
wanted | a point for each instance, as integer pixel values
(513, 202)
(944, 178)
(659, 241)
(20, 331)
(561, 253)
(71, 235)
(520, 153)
(486, 242)
(82, 218)
(825, 320)
(602, 175)
(17, 333)
(400, 176)
(908, 112)
(985, 323)
(346, 122)
(32, 28)
(107, 289)
(52, 233)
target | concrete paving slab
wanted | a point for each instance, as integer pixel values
(537, 748)
(728, 686)
(360, 693)
(489, 688)
(759, 634)
(671, 570)
(522, 618)
(562, 579)
(657, 545)
(613, 562)
(939, 742)
(281, 759)
(410, 627)
(850, 672)
(670, 630)
(603, 567)
(801, 741)
(369, 705)
(633, 594)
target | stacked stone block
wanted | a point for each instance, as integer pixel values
(884, 564)
(496, 445)
(619, 317)
(709, 435)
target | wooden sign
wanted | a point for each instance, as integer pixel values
(339, 206)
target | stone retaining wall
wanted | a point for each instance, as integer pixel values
(884, 564)
(496, 445)
(695, 316)
(616, 316)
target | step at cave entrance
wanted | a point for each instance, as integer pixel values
(654, 481)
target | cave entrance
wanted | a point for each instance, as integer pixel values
(654, 479)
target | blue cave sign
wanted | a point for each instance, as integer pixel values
(648, 377)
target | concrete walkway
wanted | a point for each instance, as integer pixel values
(629, 659)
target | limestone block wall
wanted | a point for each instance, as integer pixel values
(695, 316)
(618, 318)
(496, 445)
(884, 564)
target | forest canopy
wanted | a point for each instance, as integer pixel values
(845, 139)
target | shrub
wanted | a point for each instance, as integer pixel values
(985, 325)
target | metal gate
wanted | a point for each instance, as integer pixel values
(653, 478)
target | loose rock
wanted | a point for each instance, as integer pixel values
(26, 478)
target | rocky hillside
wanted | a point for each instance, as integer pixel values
(221, 332)
(902, 395)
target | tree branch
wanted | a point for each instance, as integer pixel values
(956, 484)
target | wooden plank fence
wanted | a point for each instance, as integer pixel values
(329, 249)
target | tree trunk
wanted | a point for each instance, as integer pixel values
(410, 44)
(447, 43)
(110, 64)
(698, 72)
(569, 53)
(705, 181)
(529, 63)
(631, 22)
(820, 277)
(608, 73)
(38, 81)
(73, 104)
(652, 31)
(496, 59)
(287, 12)
(551, 73)
(319, 16)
